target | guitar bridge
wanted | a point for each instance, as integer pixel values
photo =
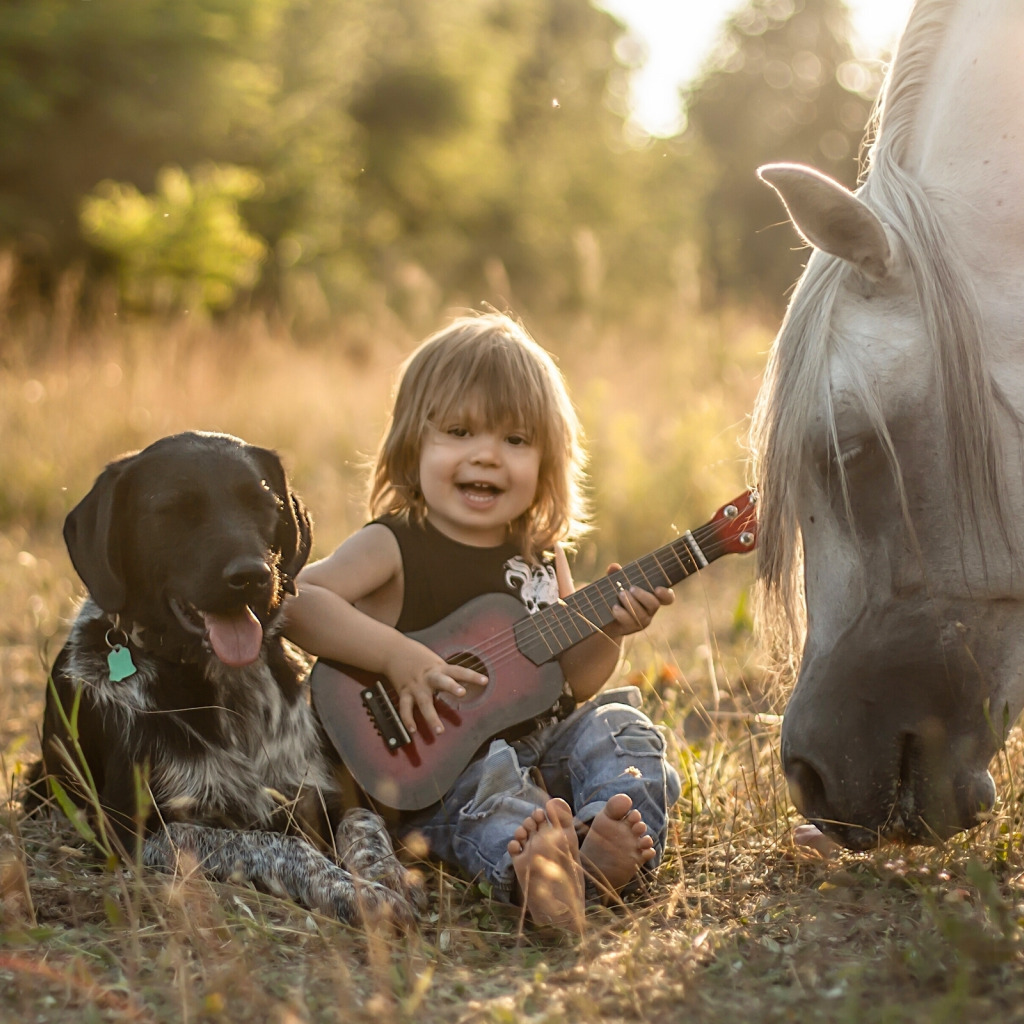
(385, 717)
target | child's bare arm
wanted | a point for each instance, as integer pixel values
(323, 618)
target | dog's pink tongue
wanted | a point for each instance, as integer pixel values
(236, 639)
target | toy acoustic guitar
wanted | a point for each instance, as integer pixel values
(496, 636)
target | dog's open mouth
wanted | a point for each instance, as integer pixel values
(236, 637)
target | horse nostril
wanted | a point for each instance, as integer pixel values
(806, 788)
(247, 574)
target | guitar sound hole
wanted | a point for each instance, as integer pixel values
(474, 692)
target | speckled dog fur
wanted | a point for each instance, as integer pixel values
(188, 549)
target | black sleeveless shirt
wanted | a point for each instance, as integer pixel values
(442, 574)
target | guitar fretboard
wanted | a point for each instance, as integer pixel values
(553, 630)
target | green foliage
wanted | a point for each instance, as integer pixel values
(75, 762)
(116, 90)
(456, 149)
(186, 246)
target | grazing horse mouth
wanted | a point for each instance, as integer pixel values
(925, 808)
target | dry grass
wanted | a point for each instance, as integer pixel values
(739, 924)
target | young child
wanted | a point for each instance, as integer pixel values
(476, 489)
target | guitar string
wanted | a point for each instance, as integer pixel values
(566, 619)
(571, 623)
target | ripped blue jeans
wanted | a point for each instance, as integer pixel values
(604, 747)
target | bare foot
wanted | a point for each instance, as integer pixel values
(616, 845)
(546, 858)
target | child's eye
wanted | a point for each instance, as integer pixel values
(457, 431)
(517, 439)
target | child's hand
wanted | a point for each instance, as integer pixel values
(418, 675)
(636, 607)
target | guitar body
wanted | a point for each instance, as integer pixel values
(411, 775)
(517, 651)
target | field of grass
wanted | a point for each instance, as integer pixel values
(740, 924)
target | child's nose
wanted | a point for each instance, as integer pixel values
(486, 449)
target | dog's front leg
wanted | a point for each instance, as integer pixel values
(282, 865)
(365, 848)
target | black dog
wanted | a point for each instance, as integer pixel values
(176, 684)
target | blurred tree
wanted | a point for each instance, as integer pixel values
(781, 85)
(311, 156)
(598, 218)
(184, 247)
(118, 89)
(495, 156)
(469, 149)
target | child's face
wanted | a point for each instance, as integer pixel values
(476, 477)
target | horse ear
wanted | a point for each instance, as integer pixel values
(831, 218)
(93, 539)
(294, 535)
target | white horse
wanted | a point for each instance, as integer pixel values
(889, 445)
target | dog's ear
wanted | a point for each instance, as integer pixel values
(93, 538)
(300, 528)
(294, 535)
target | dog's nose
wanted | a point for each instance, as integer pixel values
(247, 573)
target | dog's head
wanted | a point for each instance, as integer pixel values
(195, 539)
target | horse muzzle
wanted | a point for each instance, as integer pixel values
(924, 808)
(888, 737)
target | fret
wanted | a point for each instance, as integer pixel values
(532, 639)
(688, 564)
(591, 614)
(569, 628)
(680, 570)
(693, 547)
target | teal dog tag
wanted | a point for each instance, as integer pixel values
(120, 663)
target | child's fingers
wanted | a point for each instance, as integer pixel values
(438, 681)
(457, 675)
(639, 604)
(423, 700)
(631, 616)
(637, 607)
(406, 704)
(430, 715)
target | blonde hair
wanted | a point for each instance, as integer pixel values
(491, 358)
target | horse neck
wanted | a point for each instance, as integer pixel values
(969, 119)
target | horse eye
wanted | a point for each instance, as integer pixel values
(851, 456)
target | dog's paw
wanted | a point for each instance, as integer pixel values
(376, 905)
(365, 848)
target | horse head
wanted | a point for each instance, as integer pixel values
(889, 436)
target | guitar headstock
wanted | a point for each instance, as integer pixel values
(735, 524)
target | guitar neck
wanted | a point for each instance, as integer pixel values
(553, 630)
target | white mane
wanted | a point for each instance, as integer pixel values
(796, 384)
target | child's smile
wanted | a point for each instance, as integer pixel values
(478, 493)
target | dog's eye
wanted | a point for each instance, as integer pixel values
(259, 498)
(186, 507)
